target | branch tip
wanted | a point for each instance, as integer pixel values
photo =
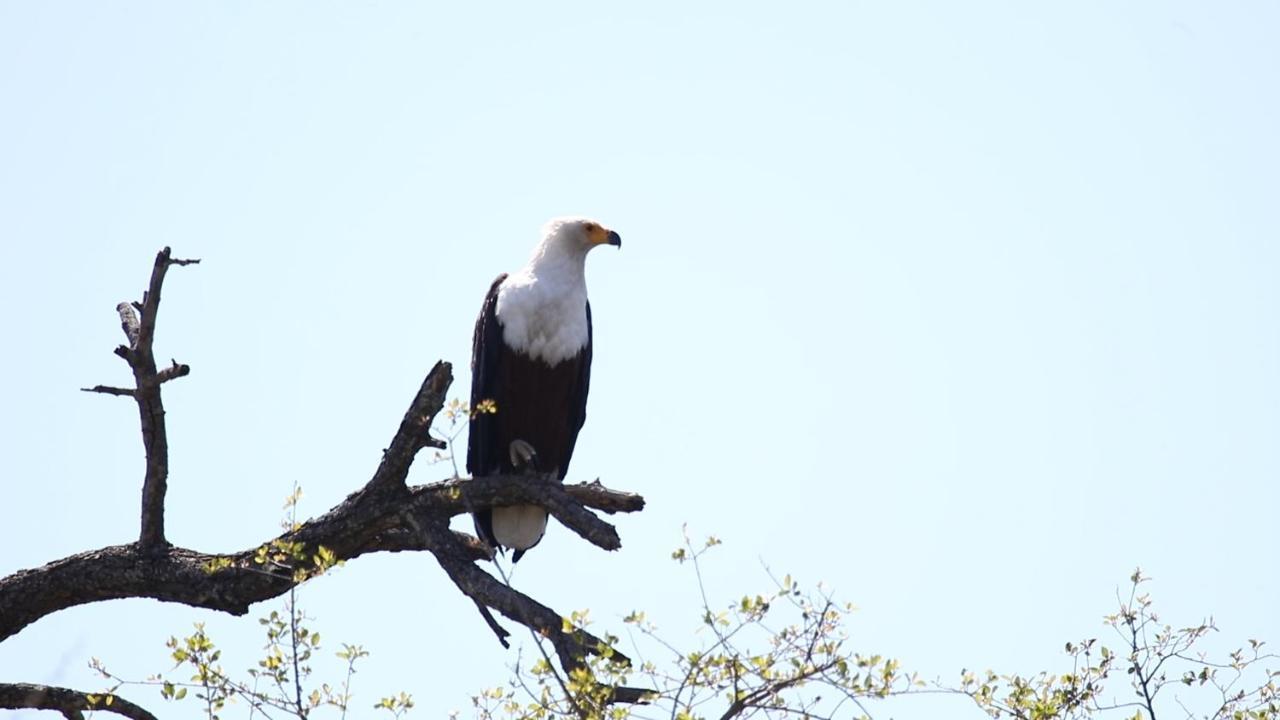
(498, 630)
(173, 372)
(414, 432)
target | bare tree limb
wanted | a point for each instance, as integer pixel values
(572, 647)
(108, 390)
(414, 433)
(173, 372)
(71, 703)
(365, 522)
(564, 502)
(140, 332)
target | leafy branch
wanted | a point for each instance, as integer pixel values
(787, 652)
(1152, 651)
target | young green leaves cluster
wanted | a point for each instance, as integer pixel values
(457, 417)
(283, 555)
(397, 705)
(279, 686)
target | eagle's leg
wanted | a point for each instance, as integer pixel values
(523, 456)
(523, 524)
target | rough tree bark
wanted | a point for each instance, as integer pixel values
(384, 515)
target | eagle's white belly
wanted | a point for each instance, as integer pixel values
(519, 527)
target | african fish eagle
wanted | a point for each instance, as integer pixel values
(531, 356)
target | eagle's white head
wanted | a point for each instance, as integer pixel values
(569, 239)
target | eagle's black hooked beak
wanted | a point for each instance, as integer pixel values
(614, 239)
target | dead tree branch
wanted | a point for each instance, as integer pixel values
(385, 515)
(140, 333)
(108, 390)
(411, 519)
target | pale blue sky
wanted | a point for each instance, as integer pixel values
(966, 311)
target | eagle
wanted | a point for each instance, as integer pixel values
(530, 372)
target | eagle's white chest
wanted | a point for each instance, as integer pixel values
(544, 316)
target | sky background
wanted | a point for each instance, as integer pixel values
(964, 310)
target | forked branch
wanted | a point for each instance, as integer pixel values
(138, 351)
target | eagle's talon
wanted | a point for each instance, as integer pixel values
(522, 454)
